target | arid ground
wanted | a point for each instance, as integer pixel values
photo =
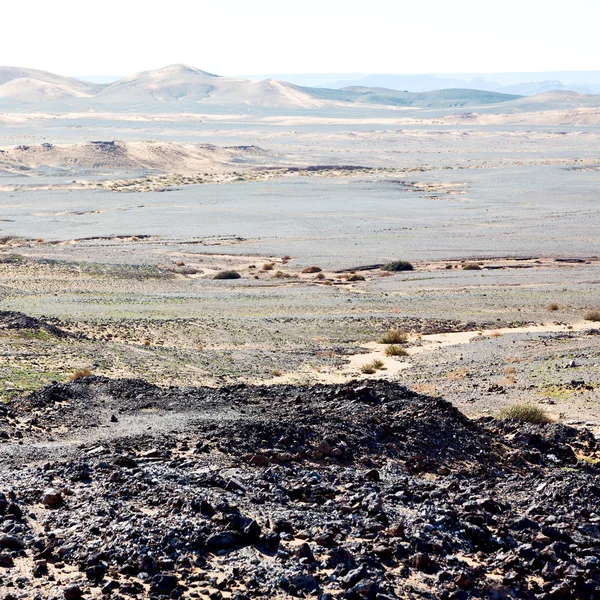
(256, 436)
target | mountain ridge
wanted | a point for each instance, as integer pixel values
(191, 87)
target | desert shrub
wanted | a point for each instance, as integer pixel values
(281, 275)
(12, 259)
(553, 306)
(312, 269)
(470, 266)
(79, 374)
(320, 276)
(398, 265)
(394, 350)
(592, 315)
(394, 336)
(268, 266)
(372, 367)
(448, 267)
(524, 413)
(227, 275)
(355, 277)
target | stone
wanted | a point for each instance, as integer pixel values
(52, 498)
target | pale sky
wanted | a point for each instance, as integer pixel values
(227, 37)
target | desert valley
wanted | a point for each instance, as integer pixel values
(260, 340)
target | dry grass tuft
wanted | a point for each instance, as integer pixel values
(471, 267)
(592, 315)
(268, 266)
(80, 374)
(355, 277)
(398, 265)
(394, 336)
(394, 350)
(372, 367)
(553, 306)
(312, 269)
(524, 413)
(227, 275)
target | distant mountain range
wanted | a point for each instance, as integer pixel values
(527, 84)
(188, 87)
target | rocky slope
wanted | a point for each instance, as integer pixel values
(120, 489)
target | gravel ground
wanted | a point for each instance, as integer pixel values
(352, 491)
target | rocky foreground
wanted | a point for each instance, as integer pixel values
(120, 489)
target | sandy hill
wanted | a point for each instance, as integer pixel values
(32, 85)
(171, 83)
(185, 84)
(111, 156)
(447, 98)
(182, 87)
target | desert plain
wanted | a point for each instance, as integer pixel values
(198, 398)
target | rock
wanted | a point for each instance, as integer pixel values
(9, 542)
(304, 551)
(420, 561)
(72, 592)
(52, 498)
(354, 576)
(373, 475)
(324, 447)
(259, 460)
(463, 581)
(163, 584)
(222, 541)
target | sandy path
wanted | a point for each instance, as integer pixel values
(430, 343)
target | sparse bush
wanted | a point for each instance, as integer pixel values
(448, 267)
(281, 275)
(179, 263)
(355, 277)
(79, 374)
(394, 336)
(470, 266)
(553, 306)
(12, 259)
(398, 265)
(524, 413)
(312, 269)
(276, 373)
(592, 315)
(320, 276)
(227, 275)
(372, 367)
(268, 266)
(394, 350)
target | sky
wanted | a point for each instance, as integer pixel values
(236, 37)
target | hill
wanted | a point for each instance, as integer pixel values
(182, 87)
(32, 85)
(446, 98)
